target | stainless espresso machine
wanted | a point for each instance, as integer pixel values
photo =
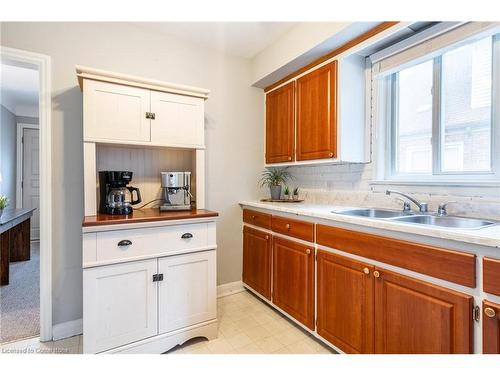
(176, 192)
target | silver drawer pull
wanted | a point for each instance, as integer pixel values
(125, 243)
(187, 235)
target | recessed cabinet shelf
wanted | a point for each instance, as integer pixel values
(319, 116)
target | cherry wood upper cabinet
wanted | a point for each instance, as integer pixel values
(491, 328)
(345, 302)
(257, 260)
(293, 279)
(317, 114)
(280, 124)
(415, 317)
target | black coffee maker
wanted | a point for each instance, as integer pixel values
(115, 196)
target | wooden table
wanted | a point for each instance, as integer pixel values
(15, 233)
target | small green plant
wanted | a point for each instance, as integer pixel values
(296, 191)
(4, 202)
(274, 177)
(286, 191)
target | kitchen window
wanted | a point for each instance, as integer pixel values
(441, 115)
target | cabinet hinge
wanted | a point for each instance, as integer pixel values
(158, 277)
(150, 115)
(476, 313)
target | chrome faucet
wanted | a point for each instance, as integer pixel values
(422, 206)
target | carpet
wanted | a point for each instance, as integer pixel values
(20, 300)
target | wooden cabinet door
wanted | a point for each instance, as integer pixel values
(345, 302)
(115, 112)
(416, 317)
(317, 114)
(179, 120)
(257, 260)
(119, 305)
(293, 279)
(491, 328)
(187, 294)
(280, 124)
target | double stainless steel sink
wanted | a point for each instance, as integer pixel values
(418, 218)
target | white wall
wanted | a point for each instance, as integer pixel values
(233, 116)
(8, 134)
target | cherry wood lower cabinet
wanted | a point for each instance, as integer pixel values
(293, 279)
(491, 328)
(413, 316)
(257, 260)
(345, 302)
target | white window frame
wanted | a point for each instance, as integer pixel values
(383, 92)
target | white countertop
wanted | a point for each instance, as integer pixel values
(489, 236)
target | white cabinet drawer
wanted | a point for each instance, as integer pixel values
(133, 243)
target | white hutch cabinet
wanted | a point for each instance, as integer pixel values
(149, 278)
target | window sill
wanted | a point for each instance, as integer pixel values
(481, 184)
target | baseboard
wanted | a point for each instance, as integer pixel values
(229, 288)
(67, 329)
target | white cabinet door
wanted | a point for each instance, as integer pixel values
(179, 120)
(187, 294)
(115, 112)
(119, 304)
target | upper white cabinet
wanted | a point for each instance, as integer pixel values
(178, 119)
(115, 112)
(124, 109)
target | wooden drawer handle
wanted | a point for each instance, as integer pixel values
(288, 226)
(308, 251)
(376, 274)
(185, 236)
(366, 271)
(254, 217)
(489, 312)
(124, 243)
(267, 238)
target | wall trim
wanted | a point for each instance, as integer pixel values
(67, 329)
(229, 288)
(42, 63)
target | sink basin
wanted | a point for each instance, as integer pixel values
(373, 213)
(446, 221)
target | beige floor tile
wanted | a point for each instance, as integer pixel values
(219, 346)
(199, 350)
(257, 333)
(239, 340)
(289, 337)
(302, 347)
(283, 350)
(250, 349)
(269, 344)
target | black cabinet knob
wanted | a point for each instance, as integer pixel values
(187, 235)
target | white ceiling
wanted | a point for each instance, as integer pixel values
(19, 89)
(244, 39)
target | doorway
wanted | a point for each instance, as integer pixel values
(35, 166)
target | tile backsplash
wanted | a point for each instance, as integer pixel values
(350, 185)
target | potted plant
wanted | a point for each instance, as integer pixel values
(4, 202)
(286, 193)
(273, 178)
(296, 194)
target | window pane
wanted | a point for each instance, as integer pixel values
(466, 107)
(414, 120)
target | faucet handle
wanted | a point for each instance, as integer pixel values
(406, 204)
(442, 208)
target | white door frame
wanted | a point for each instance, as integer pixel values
(20, 161)
(43, 64)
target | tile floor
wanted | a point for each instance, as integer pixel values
(246, 326)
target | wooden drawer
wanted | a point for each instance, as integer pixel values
(491, 275)
(294, 228)
(153, 241)
(257, 218)
(454, 266)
